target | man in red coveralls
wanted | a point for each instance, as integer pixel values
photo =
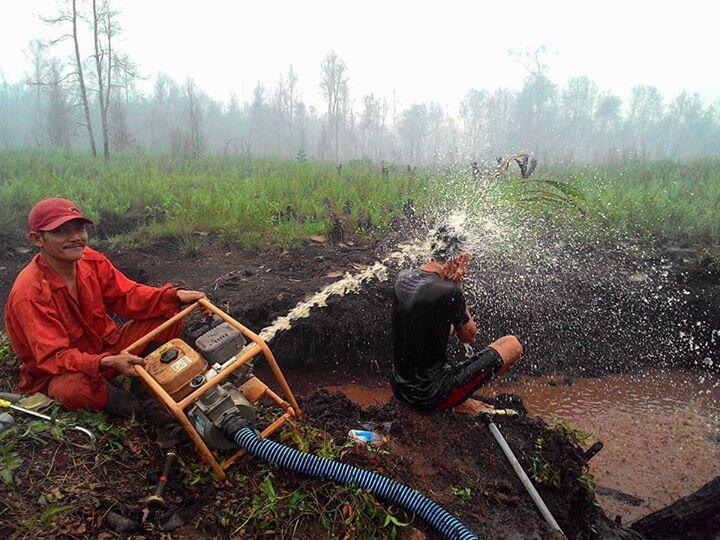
(57, 314)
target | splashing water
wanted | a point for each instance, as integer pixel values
(350, 283)
(579, 303)
(584, 303)
(410, 252)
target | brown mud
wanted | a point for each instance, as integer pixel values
(442, 451)
(349, 342)
(660, 430)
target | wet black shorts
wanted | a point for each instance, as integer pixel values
(470, 375)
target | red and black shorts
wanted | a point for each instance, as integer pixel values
(471, 375)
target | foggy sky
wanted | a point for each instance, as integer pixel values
(421, 50)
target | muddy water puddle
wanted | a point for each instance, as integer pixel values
(661, 430)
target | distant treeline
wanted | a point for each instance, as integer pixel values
(576, 122)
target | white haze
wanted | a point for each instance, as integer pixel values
(422, 51)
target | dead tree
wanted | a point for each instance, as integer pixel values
(72, 18)
(37, 78)
(59, 117)
(125, 72)
(694, 516)
(333, 84)
(194, 143)
(48, 77)
(103, 24)
(525, 162)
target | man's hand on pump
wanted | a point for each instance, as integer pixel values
(124, 363)
(188, 297)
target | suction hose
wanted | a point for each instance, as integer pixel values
(448, 525)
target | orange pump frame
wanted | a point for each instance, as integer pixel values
(253, 389)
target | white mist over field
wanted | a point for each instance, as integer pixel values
(403, 82)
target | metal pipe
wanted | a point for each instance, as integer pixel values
(5, 403)
(549, 519)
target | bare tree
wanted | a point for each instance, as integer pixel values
(259, 112)
(62, 19)
(413, 130)
(104, 26)
(124, 72)
(4, 111)
(52, 109)
(333, 84)
(59, 117)
(292, 80)
(473, 111)
(36, 54)
(195, 141)
(607, 122)
(536, 102)
(646, 111)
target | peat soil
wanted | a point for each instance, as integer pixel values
(349, 341)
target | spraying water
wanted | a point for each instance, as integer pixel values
(580, 305)
(349, 283)
(584, 303)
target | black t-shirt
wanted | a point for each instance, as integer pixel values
(424, 307)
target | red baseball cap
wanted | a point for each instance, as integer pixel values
(49, 214)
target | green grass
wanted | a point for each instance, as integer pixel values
(677, 202)
(241, 201)
(254, 202)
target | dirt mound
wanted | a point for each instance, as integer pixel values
(455, 459)
(607, 312)
(56, 488)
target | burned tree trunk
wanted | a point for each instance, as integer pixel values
(694, 516)
(81, 81)
(99, 59)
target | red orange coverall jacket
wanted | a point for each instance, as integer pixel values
(61, 340)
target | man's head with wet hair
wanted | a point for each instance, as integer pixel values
(447, 250)
(447, 244)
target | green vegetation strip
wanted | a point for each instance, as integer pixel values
(255, 202)
(661, 200)
(242, 201)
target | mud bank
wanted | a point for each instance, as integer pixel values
(444, 454)
(349, 341)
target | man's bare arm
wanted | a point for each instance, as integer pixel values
(468, 331)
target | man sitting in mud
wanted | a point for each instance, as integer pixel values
(57, 315)
(428, 307)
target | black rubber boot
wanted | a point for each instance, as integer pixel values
(120, 402)
(123, 403)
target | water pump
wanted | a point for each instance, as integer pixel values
(192, 383)
(208, 413)
(180, 370)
